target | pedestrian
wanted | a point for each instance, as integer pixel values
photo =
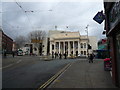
(60, 55)
(52, 54)
(91, 58)
(5, 54)
(55, 55)
(65, 55)
(13, 54)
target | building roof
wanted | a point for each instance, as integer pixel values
(65, 34)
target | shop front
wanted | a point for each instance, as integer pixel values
(118, 55)
(112, 26)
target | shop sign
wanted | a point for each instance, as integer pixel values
(99, 17)
(36, 41)
(114, 15)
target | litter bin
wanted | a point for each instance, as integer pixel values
(107, 64)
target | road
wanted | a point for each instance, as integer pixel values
(31, 72)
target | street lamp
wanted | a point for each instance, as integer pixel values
(87, 37)
(87, 31)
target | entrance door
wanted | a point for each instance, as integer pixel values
(118, 56)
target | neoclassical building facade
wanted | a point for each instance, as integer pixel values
(71, 43)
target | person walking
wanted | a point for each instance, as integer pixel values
(5, 54)
(52, 54)
(55, 55)
(65, 55)
(60, 55)
(13, 54)
(91, 58)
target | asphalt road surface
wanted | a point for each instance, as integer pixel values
(31, 72)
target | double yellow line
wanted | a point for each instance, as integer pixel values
(54, 77)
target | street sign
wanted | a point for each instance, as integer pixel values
(99, 17)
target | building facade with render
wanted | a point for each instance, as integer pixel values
(71, 43)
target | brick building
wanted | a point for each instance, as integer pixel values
(7, 43)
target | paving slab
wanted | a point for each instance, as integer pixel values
(83, 74)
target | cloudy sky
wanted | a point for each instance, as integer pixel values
(46, 15)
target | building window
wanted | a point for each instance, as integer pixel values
(81, 52)
(81, 45)
(84, 45)
(52, 47)
(84, 52)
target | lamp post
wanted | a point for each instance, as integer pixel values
(87, 37)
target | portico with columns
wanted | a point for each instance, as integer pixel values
(70, 47)
(67, 42)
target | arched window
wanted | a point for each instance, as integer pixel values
(81, 45)
(84, 45)
(81, 52)
(84, 52)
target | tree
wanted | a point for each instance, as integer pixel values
(37, 35)
(20, 41)
(37, 38)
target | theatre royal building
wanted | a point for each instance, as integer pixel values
(71, 43)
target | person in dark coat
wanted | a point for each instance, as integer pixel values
(65, 55)
(13, 54)
(52, 54)
(5, 54)
(91, 58)
(60, 55)
(55, 54)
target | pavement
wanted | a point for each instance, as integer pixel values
(82, 74)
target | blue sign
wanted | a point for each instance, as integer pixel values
(99, 17)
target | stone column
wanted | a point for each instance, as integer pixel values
(73, 48)
(64, 46)
(69, 48)
(78, 47)
(59, 47)
(54, 47)
(50, 47)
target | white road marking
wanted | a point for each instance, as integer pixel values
(19, 61)
(11, 64)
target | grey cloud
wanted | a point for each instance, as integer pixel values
(76, 15)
